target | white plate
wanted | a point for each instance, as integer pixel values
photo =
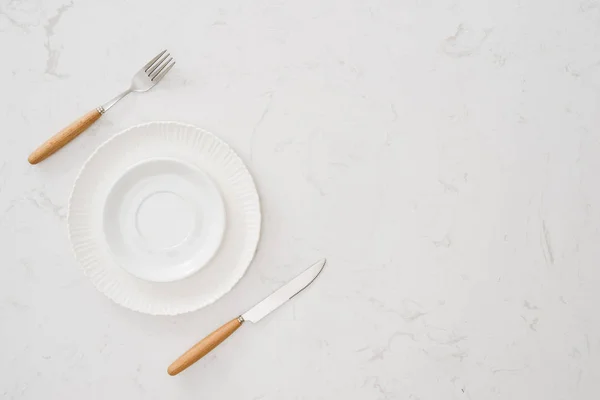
(160, 202)
(163, 220)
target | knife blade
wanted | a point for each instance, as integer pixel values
(255, 314)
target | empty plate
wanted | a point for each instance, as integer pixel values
(164, 218)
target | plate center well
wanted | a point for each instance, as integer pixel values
(164, 220)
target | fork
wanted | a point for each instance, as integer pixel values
(142, 81)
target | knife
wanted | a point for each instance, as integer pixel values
(255, 314)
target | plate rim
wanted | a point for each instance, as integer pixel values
(256, 239)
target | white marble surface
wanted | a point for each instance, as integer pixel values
(443, 155)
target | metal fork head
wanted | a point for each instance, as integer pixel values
(152, 72)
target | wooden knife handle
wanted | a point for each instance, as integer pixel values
(63, 137)
(204, 346)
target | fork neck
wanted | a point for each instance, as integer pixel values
(106, 106)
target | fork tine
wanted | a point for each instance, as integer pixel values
(162, 74)
(157, 64)
(155, 74)
(153, 60)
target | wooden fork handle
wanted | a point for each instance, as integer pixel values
(204, 346)
(63, 137)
